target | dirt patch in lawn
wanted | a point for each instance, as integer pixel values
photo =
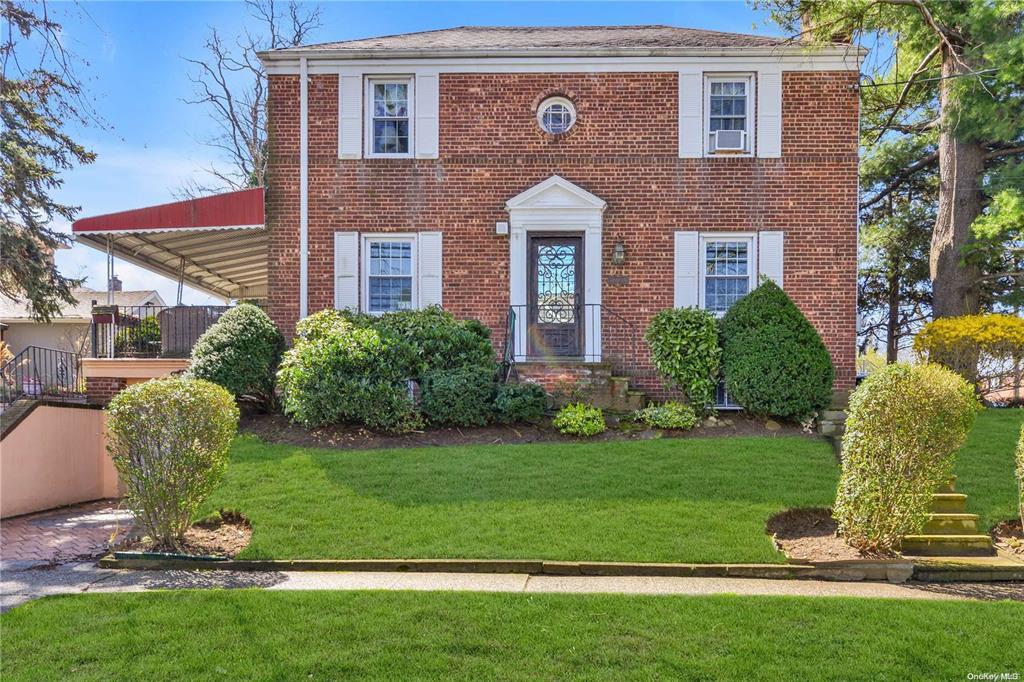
(276, 428)
(225, 536)
(811, 535)
(1008, 537)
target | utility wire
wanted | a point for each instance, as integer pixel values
(925, 80)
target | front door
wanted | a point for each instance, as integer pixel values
(555, 296)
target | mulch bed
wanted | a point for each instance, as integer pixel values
(1008, 537)
(223, 537)
(811, 535)
(276, 428)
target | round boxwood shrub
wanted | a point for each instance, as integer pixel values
(462, 396)
(579, 419)
(169, 440)
(684, 350)
(774, 361)
(668, 415)
(520, 403)
(240, 352)
(902, 429)
(337, 372)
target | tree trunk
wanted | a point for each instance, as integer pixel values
(892, 327)
(955, 289)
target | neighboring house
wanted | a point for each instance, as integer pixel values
(583, 177)
(71, 330)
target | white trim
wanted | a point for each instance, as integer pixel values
(550, 102)
(147, 230)
(303, 189)
(557, 205)
(750, 115)
(408, 80)
(844, 58)
(752, 263)
(364, 266)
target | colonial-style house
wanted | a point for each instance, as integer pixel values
(560, 184)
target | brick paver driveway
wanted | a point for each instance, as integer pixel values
(65, 534)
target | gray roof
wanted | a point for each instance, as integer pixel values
(498, 38)
(15, 311)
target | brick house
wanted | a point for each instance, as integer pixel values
(560, 184)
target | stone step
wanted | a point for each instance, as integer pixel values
(956, 524)
(833, 416)
(619, 386)
(949, 503)
(635, 400)
(949, 486)
(948, 545)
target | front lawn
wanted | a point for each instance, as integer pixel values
(669, 500)
(984, 466)
(242, 635)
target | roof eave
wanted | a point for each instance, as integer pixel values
(794, 50)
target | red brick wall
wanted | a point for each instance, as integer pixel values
(99, 390)
(624, 149)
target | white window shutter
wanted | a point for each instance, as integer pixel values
(769, 114)
(687, 269)
(770, 255)
(346, 270)
(350, 115)
(425, 133)
(429, 268)
(691, 125)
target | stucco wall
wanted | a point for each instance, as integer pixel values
(62, 336)
(55, 456)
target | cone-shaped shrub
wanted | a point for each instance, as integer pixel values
(240, 352)
(773, 358)
(903, 427)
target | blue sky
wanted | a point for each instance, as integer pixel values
(138, 80)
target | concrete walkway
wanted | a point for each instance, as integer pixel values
(20, 583)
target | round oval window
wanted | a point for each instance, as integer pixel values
(556, 115)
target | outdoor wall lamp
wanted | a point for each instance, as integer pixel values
(619, 253)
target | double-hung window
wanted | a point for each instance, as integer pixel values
(390, 273)
(389, 112)
(728, 271)
(730, 112)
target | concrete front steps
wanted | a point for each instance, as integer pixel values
(949, 531)
(594, 382)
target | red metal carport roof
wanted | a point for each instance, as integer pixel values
(217, 244)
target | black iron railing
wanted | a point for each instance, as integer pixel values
(590, 332)
(150, 331)
(42, 373)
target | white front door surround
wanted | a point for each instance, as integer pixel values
(557, 205)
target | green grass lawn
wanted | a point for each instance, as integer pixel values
(675, 500)
(242, 634)
(984, 466)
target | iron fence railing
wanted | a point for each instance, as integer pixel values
(150, 331)
(590, 332)
(42, 373)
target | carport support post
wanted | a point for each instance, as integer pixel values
(110, 296)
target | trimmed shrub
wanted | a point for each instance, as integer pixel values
(580, 419)
(169, 440)
(520, 403)
(774, 361)
(462, 396)
(1020, 474)
(240, 352)
(684, 350)
(669, 415)
(985, 349)
(337, 371)
(902, 429)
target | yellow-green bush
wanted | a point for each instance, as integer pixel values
(983, 348)
(1020, 473)
(904, 424)
(579, 419)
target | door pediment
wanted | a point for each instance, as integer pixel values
(555, 194)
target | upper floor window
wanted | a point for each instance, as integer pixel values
(729, 115)
(389, 128)
(556, 115)
(727, 274)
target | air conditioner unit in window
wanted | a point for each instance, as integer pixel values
(729, 141)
